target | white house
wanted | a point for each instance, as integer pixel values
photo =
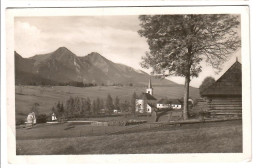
(53, 117)
(169, 103)
(31, 119)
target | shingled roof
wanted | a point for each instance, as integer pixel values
(147, 96)
(169, 101)
(229, 84)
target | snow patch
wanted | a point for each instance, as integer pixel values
(77, 66)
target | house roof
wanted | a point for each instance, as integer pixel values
(169, 101)
(230, 83)
(147, 96)
(151, 105)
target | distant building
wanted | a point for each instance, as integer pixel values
(169, 103)
(146, 102)
(31, 119)
(53, 117)
(115, 111)
(225, 95)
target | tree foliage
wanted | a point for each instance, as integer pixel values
(109, 103)
(75, 107)
(206, 83)
(178, 44)
(116, 103)
(133, 102)
(35, 108)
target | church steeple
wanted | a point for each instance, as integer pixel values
(150, 84)
(149, 90)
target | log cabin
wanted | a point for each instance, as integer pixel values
(224, 97)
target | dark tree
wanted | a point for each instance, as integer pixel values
(206, 83)
(35, 108)
(116, 103)
(109, 103)
(93, 109)
(133, 102)
(101, 104)
(60, 111)
(124, 106)
(178, 44)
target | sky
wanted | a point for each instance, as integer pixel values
(114, 37)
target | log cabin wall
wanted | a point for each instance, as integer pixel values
(225, 106)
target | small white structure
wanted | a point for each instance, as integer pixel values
(116, 111)
(53, 117)
(169, 103)
(31, 119)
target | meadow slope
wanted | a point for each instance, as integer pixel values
(200, 138)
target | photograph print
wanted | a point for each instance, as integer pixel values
(148, 83)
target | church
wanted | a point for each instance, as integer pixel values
(146, 103)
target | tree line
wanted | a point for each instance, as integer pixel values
(75, 107)
(71, 83)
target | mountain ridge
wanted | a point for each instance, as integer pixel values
(62, 65)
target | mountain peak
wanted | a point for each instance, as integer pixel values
(96, 54)
(62, 49)
(63, 53)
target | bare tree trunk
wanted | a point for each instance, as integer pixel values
(186, 97)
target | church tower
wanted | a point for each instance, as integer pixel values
(149, 90)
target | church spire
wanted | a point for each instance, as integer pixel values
(150, 84)
(149, 90)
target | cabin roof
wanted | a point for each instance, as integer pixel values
(169, 101)
(229, 84)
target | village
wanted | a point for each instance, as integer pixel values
(220, 102)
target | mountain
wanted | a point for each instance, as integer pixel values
(64, 66)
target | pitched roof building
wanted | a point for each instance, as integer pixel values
(146, 102)
(230, 83)
(169, 103)
(224, 97)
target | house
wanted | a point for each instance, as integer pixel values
(224, 97)
(31, 119)
(116, 111)
(169, 103)
(53, 117)
(146, 102)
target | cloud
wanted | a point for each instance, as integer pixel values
(114, 37)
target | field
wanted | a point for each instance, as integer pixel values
(46, 97)
(220, 137)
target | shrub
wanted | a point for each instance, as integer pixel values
(42, 118)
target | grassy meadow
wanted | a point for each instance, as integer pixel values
(46, 97)
(220, 137)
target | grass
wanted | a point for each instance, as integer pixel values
(26, 96)
(200, 138)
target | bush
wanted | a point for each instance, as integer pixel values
(42, 118)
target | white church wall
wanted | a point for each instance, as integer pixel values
(149, 109)
(139, 105)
